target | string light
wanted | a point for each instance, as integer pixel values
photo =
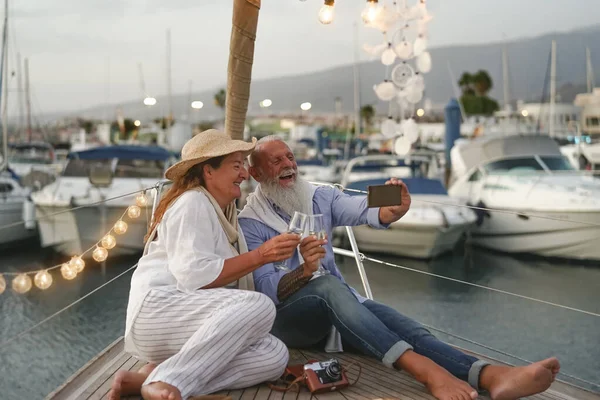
(22, 282)
(43, 280)
(67, 272)
(326, 12)
(134, 211)
(108, 242)
(100, 254)
(120, 227)
(77, 264)
(371, 12)
(141, 200)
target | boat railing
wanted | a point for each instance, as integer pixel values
(359, 258)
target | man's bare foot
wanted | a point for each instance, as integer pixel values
(128, 383)
(444, 386)
(514, 383)
(160, 391)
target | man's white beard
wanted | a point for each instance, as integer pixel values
(289, 199)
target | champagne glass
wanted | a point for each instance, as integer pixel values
(297, 225)
(316, 227)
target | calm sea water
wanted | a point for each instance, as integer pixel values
(38, 362)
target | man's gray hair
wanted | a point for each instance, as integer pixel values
(253, 157)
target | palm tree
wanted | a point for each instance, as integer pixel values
(483, 82)
(366, 114)
(220, 99)
(465, 82)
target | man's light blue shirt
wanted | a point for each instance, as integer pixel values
(338, 209)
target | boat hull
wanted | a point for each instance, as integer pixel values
(559, 237)
(410, 241)
(72, 232)
(11, 212)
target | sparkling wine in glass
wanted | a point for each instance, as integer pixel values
(297, 225)
(316, 227)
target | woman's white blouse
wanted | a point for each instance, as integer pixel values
(188, 254)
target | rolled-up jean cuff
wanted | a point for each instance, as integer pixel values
(475, 372)
(395, 352)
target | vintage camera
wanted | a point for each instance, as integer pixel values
(325, 376)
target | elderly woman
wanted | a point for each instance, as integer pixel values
(192, 309)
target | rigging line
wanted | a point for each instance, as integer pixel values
(501, 352)
(4, 344)
(482, 287)
(533, 215)
(46, 216)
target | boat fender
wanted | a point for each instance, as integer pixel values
(29, 214)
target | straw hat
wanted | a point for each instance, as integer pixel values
(205, 145)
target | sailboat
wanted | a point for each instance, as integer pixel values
(13, 194)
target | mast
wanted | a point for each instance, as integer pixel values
(589, 70)
(356, 73)
(4, 89)
(20, 96)
(27, 99)
(552, 90)
(505, 79)
(169, 105)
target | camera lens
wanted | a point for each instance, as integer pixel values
(334, 370)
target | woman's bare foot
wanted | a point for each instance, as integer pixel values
(128, 383)
(514, 383)
(160, 391)
(444, 386)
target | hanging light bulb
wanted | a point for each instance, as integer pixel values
(68, 272)
(77, 264)
(326, 12)
(108, 242)
(21, 284)
(371, 12)
(100, 254)
(43, 280)
(141, 200)
(134, 211)
(2, 284)
(120, 227)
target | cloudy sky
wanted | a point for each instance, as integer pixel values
(86, 52)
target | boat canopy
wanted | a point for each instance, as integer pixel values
(123, 152)
(481, 151)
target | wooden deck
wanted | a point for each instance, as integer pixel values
(376, 382)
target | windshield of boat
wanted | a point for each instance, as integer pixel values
(30, 155)
(524, 165)
(124, 168)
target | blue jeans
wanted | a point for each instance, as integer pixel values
(305, 319)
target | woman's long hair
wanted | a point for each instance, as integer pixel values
(193, 178)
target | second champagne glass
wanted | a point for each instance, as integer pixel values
(297, 225)
(316, 227)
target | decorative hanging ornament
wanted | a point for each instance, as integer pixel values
(68, 272)
(404, 49)
(410, 130)
(414, 95)
(388, 127)
(402, 146)
(401, 74)
(424, 62)
(420, 45)
(375, 50)
(43, 280)
(385, 90)
(388, 56)
(21, 284)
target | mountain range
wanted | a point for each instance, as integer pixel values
(528, 61)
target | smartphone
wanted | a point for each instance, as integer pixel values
(384, 196)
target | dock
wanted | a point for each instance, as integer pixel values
(93, 381)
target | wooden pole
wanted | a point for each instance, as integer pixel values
(239, 70)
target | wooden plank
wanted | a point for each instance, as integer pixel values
(236, 394)
(79, 381)
(262, 393)
(250, 393)
(103, 390)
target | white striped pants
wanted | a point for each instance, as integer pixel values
(209, 340)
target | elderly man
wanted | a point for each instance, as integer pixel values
(308, 307)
